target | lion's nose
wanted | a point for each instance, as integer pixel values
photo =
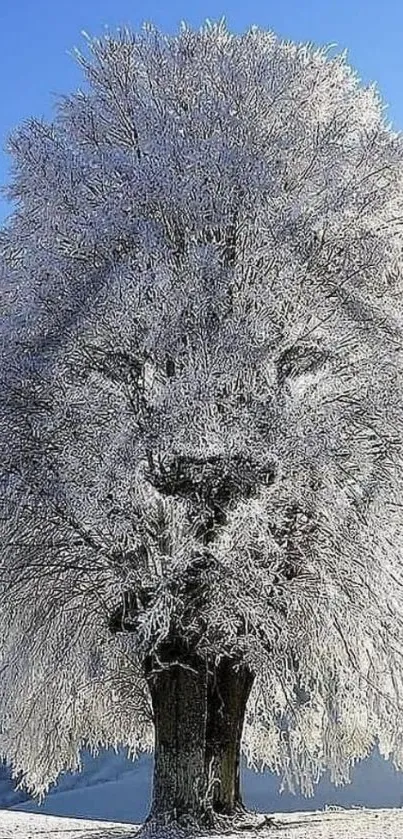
(216, 479)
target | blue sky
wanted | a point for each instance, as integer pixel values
(36, 37)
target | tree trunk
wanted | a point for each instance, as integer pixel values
(228, 693)
(198, 718)
(179, 699)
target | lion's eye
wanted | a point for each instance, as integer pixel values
(300, 360)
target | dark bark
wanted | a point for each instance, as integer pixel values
(228, 692)
(198, 716)
(199, 708)
(179, 699)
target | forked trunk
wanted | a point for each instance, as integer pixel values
(198, 719)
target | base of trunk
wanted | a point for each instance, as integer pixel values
(199, 708)
(240, 820)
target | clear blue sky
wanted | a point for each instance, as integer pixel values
(37, 35)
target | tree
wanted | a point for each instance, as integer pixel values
(201, 419)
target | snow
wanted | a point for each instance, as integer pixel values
(30, 826)
(365, 824)
(111, 798)
(113, 788)
(123, 799)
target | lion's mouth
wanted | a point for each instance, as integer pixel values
(292, 537)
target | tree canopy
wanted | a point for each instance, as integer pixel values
(201, 401)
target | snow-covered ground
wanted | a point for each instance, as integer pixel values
(353, 824)
(36, 826)
(111, 796)
(113, 788)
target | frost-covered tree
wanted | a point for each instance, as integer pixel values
(201, 420)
